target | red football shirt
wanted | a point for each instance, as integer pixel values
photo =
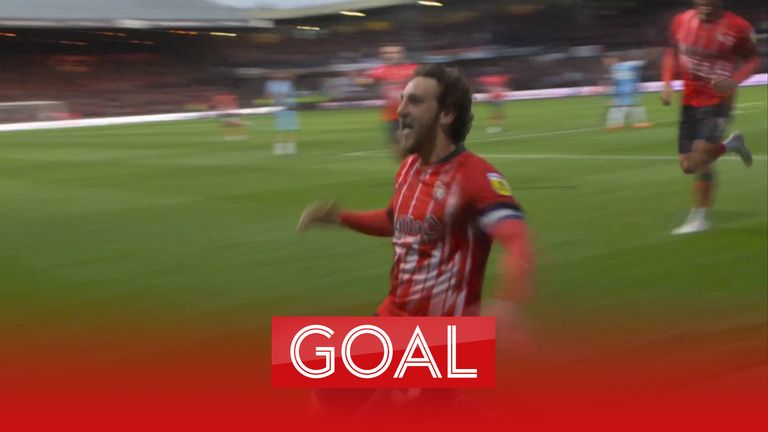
(442, 214)
(706, 50)
(225, 101)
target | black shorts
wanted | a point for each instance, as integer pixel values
(706, 123)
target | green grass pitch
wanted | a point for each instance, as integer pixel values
(167, 232)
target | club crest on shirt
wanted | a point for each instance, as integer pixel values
(439, 191)
(499, 184)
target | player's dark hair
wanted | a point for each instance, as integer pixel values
(455, 97)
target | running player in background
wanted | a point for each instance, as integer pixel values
(712, 50)
(281, 90)
(495, 85)
(625, 80)
(391, 78)
(232, 127)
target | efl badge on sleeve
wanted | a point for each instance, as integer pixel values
(499, 184)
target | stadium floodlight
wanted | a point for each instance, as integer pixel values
(132, 23)
(430, 3)
(352, 13)
(223, 34)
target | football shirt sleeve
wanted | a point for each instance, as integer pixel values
(500, 216)
(745, 48)
(516, 266)
(375, 222)
(491, 199)
(379, 222)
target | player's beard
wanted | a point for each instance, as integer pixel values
(418, 137)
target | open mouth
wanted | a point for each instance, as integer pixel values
(405, 126)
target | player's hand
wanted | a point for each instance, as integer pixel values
(666, 94)
(512, 330)
(723, 85)
(318, 213)
(513, 333)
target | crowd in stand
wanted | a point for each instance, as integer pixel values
(535, 47)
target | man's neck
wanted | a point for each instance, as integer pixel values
(715, 17)
(439, 150)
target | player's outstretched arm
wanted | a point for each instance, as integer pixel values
(375, 222)
(724, 85)
(516, 287)
(517, 263)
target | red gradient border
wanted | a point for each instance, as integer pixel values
(225, 384)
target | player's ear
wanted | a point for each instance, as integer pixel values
(446, 118)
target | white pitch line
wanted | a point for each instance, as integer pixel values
(362, 153)
(541, 134)
(565, 156)
(576, 156)
(498, 138)
(551, 133)
(537, 134)
(596, 157)
(509, 137)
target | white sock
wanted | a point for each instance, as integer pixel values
(615, 117)
(638, 114)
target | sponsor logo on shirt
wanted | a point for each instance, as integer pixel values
(428, 229)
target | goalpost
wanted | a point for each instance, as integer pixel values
(19, 112)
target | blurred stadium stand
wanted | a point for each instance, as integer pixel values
(105, 58)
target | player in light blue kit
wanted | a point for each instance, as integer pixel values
(625, 79)
(282, 91)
